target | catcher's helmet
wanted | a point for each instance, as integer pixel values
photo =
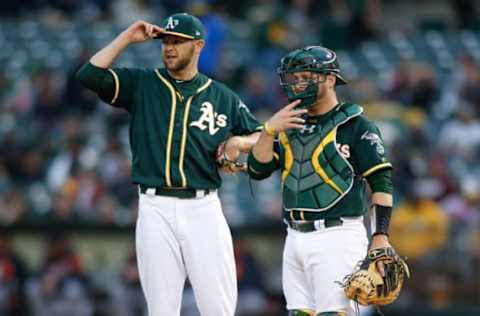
(311, 58)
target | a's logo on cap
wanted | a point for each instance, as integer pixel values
(197, 33)
(171, 23)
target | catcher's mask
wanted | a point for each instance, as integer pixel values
(315, 59)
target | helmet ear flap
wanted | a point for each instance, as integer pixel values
(340, 80)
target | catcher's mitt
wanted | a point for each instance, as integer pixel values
(366, 285)
(225, 163)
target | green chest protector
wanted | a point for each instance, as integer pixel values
(315, 175)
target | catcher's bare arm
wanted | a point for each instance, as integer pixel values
(261, 161)
(382, 201)
(282, 120)
(382, 198)
(241, 143)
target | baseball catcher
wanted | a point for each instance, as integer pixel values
(328, 151)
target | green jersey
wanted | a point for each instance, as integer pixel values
(175, 126)
(324, 165)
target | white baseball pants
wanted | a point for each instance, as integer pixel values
(314, 262)
(176, 238)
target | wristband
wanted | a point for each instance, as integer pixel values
(380, 219)
(269, 130)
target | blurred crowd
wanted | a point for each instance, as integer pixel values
(64, 156)
(62, 285)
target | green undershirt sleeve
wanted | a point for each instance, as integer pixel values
(381, 181)
(260, 170)
(99, 80)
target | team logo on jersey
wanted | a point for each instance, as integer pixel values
(308, 129)
(210, 119)
(242, 105)
(344, 150)
(374, 139)
(171, 23)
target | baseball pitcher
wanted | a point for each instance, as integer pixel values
(327, 152)
(179, 119)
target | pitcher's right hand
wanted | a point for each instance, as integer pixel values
(141, 31)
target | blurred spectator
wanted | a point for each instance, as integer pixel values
(13, 206)
(4, 177)
(334, 27)
(216, 36)
(61, 287)
(469, 92)
(366, 19)
(75, 97)
(438, 170)
(112, 162)
(13, 8)
(68, 7)
(12, 280)
(270, 28)
(114, 171)
(351, 22)
(419, 225)
(127, 298)
(399, 82)
(4, 87)
(89, 191)
(251, 300)
(62, 210)
(46, 94)
(108, 210)
(63, 160)
(299, 21)
(462, 87)
(461, 134)
(66, 163)
(414, 85)
(423, 86)
(410, 160)
(467, 13)
(258, 94)
(32, 165)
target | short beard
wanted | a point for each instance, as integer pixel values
(182, 63)
(322, 91)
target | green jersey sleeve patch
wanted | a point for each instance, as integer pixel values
(261, 170)
(369, 152)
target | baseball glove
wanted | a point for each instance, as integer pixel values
(225, 163)
(367, 286)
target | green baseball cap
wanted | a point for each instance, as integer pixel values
(183, 25)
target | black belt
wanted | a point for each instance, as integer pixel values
(298, 215)
(309, 226)
(181, 193)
